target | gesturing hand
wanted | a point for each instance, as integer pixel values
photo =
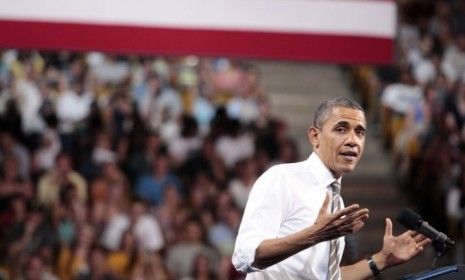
(401, 248)
(333, 225)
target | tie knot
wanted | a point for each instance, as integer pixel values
(335, 187)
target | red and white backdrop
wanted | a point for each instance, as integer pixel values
(348, 31)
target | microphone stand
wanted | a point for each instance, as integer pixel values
(441, 246)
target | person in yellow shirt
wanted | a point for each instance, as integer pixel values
(58, 180)
(120, 262)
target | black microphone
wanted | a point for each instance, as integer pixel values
(413, 221)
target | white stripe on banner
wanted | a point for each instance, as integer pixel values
(336, 17)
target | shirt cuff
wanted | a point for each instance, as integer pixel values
(244, 256)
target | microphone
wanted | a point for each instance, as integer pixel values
(413, 221)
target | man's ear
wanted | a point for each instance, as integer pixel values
(313, 134)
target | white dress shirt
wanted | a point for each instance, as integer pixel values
(284, 200)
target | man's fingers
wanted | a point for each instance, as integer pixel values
(419, 237)
(324, 207)
(346, 211)
(424, 242)
(388, 231)
(351, 227)
(360, 215)
(347, 220)
(355, 222)
(358, 226)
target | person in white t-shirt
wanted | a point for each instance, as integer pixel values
(146, 228)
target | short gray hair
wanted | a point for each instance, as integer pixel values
(323, 111)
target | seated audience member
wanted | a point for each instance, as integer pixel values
(120, 262)
(181, 256)
(151, 186)
(222, 234)
(52, 183)
(207, 161)
(74, 262)
(166, 213)
(184, 146)
(239, 187)
(146, 229)
(35, 233)
(9, 145)
(235, 144)
(35, 269)
(45, 155)
(202, 269)
(150, 266)
(143, 155)
(12, 184)
(118, 222)
(102, 152)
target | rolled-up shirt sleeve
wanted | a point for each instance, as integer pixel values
(262, 217)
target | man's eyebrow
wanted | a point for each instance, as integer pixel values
(361, 127)
(346, 123)
(341, 123)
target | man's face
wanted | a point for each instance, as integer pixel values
(339, 143)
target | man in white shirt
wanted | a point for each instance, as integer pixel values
(287, 224)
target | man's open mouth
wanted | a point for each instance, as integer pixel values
(349, 154)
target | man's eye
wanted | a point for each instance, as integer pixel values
(360, 132)
(341, 129)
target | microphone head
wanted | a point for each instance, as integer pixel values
(409, 219)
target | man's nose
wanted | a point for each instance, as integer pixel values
(352, 139)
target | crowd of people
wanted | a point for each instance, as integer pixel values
(133, 167)
(128, 167)
(420, 104)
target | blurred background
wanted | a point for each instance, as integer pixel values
(129, 152)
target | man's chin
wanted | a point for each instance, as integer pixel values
(347, 168)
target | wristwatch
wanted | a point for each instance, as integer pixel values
(373, 267)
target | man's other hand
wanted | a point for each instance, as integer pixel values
(401, 248)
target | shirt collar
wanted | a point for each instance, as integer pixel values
(322, 173)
